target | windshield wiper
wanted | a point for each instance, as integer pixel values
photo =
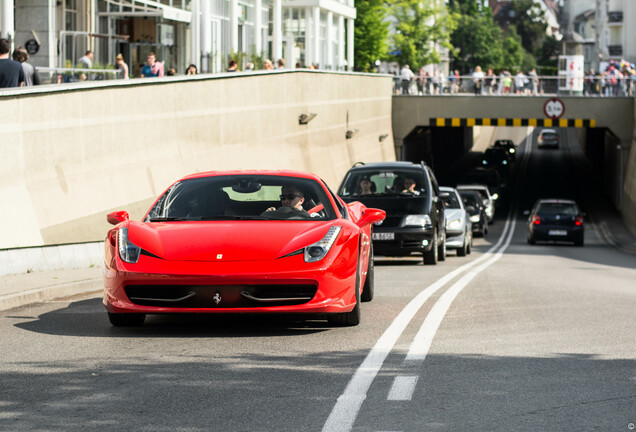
(168, 219)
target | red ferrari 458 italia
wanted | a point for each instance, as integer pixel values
(242, 242)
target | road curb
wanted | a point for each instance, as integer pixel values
(11, 301)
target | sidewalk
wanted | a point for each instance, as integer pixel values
(22, 289)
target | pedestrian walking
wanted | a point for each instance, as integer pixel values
(478, 79)
(152, 68)
(31, 76)
(11, 72)
(122, 67)
(406, 75)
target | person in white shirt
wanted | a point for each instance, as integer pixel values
(406, 74)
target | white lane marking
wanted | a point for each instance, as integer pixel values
(348, 405)
(424, 337)
(403, 388)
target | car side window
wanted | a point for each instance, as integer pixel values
(341, 209)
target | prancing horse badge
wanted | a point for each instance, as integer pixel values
(217, 298)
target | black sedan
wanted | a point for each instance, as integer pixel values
(476, 208)
(556, 220)
(508, 146)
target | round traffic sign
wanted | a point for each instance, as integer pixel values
(553, 108)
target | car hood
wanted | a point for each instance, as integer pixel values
(451, 214)
(225, 240)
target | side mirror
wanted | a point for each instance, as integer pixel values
(371, 216)
(117, 217)
(444, 195)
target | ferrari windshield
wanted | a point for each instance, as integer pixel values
(385, 182)
(243, 197)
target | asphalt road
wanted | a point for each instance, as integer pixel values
(511, 338)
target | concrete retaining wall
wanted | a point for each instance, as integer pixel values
(629, 195)
(73, 153)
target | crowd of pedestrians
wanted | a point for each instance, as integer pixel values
(618, 79)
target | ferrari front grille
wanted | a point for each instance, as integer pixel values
(220, 296)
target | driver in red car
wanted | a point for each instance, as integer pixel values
(292, 200)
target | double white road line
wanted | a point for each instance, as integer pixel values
(346, 410)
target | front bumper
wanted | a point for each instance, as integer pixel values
(455, 239)
(285, 285)
(405, 241)
(557, 233)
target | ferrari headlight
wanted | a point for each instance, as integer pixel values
(319, 250)
(417, 220)
(455, 224)
(475, 218)
(128, 251)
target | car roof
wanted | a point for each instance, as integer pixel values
(391, 165)
(555, 201)
(471, 187)
(279, 173)
(548, 131)
(447, 189)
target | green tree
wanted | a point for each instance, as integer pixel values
(371, 34)
(477, 39)
(528, 19)
(513, 51)
(421, 25)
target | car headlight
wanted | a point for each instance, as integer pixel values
(485, 162)
(505, 162)
(128, 251)
(512, 151)
(455, 224)
(475, 218)
(417, 220)
(318, 250)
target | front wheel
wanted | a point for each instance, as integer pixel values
(430, 257)
(349, 319)
(441, 253)
(369, 285)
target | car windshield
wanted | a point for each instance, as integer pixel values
(549, 135)
(470, 199)
(451, 201)
(385, 182)
(243, 197)
(557, 209)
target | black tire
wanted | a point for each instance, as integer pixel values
(579, 241)
(469, 246)
(430, 257)
(368, 290)
(531, 239)
(349, 319)
(462, 251)
(126, 319)
(441, 249)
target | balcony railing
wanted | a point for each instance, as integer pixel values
(615, 50)
(615, 17)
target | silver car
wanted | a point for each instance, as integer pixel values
(489, 200)
(459, 229)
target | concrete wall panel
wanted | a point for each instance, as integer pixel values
(78, 151)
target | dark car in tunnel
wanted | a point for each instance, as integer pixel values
(556, 220)
(476, 209)
(410, 195)
(507, 145)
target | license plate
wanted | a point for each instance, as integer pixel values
(384, 236)
(557, 233)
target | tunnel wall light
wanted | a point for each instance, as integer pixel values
(304, 119)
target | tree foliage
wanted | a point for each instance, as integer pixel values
(371, 34)
(477, 39)
(421, 26)
(529, 22)
(513, 51)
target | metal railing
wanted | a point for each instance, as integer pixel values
(601, 86)
(69, 75)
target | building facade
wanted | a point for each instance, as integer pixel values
(207, 33)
